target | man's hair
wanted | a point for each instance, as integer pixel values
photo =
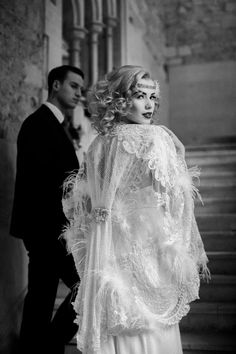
(59, 73)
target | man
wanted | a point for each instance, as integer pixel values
(45, 157)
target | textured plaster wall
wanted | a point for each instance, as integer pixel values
(21, 63)
(200, 31)
(203, 101)
(145, 44)
(201, 53)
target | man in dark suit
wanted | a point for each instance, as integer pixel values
(45, 157)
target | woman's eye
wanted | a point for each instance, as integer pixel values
(139, 96)
(153, 98)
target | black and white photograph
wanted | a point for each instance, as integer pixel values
(118, 177)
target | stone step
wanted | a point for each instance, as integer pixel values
(211, 147)
(220, 222)
(199, 158)
(222, 262)
(204, 160)
(224, 177)
(210, 316)
(208, 343)
(214, 163)
(213, 189)
(72, 349)
(218, 180)
(219, 240)
(215, 204)
(221, 288)
(193, 343)
(216, 169)
(210, 153)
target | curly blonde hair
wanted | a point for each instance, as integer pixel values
(109, 100)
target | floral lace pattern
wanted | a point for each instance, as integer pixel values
(153, 144)
(138, 256)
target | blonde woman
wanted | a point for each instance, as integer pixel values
(132, 230)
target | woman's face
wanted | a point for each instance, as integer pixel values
(143, 98)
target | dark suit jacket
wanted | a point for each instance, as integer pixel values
(45, 157)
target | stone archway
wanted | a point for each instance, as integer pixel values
(73, 30)
(89, 36)
(90, 43)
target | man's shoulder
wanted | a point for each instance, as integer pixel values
(41, 112)
(37, 118)
(36, 122)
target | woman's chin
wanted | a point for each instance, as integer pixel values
(138, 121)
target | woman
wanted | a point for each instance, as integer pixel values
(132, 230)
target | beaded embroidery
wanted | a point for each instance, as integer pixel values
(100, 215)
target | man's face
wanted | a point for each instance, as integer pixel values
(68, 92)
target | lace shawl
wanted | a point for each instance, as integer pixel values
(133, 234)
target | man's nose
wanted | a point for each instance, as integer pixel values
(78, 92)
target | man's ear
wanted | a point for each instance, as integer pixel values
(56, 85)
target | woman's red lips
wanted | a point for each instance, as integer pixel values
(147, 115)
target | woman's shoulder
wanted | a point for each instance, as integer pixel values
(99, 142)
(134, 130)
(143, 133)
(134, 137)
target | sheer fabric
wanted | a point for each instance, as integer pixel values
(164, 340)
(133, 235)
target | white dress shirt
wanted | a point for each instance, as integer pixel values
(56, 111)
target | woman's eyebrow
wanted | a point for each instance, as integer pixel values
(143, 93)
(139, 91)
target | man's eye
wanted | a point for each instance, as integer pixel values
(153, 98)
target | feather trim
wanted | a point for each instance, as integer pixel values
(194, 173)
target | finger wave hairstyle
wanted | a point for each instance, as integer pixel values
(109, 100)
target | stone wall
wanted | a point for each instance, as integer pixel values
(200, 56)
(200, 31)
(203, 102)
(145, 44)
(21, 63)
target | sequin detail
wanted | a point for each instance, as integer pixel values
(100, 215)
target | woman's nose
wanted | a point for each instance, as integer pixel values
(148, 104)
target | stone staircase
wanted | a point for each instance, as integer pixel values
(210, 327)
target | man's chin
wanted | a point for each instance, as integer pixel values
(72, 105)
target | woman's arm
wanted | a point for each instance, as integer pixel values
(179, 146)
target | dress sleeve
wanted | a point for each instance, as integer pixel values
(76, 204)
(177, 195)
(190, 192)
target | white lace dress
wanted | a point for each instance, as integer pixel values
(135, 242)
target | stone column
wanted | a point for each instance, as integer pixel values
(96, 28)
(111, 23)
(77, 35)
